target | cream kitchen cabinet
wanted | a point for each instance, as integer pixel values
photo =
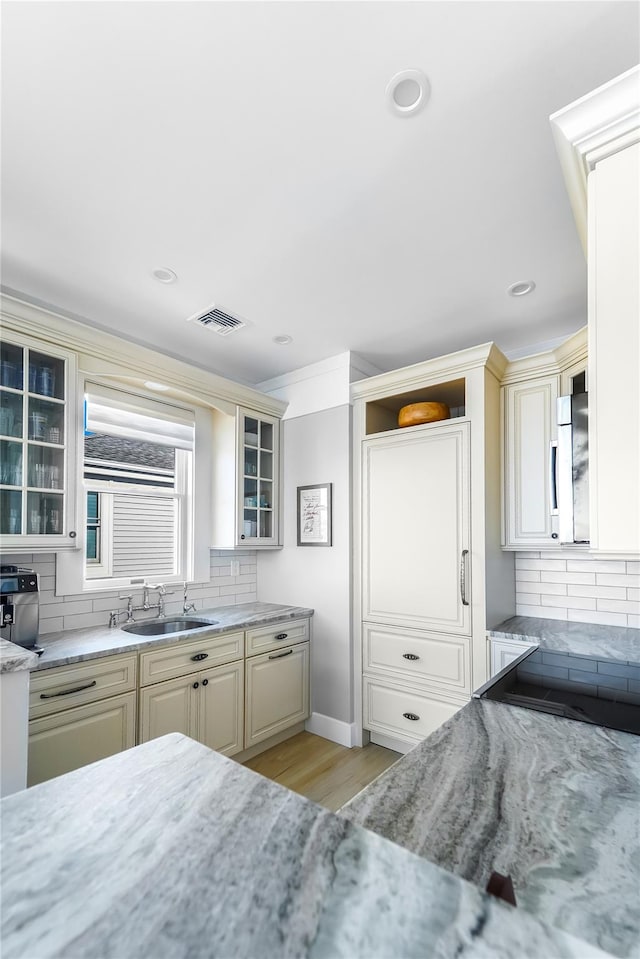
(504, 652)
(277, 692)
(531, 387)
(598, 142)
(206, 705)
(79, 714)
(246, 480)
(37, 444)
(415, 506)
(196, 688)
(429, 572)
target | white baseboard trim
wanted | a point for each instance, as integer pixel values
(334, 729)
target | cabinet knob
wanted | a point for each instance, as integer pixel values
(72, 534)
(554, 536)
(412, 716)
(205, 682)
(195, 685)
(241, 535)
(411, 656)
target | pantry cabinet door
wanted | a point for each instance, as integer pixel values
(416, 529)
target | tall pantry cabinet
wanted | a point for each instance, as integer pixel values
(430, 576)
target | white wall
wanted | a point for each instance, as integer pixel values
(317, 450)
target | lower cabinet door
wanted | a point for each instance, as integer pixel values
(277, 692)
(503, 653)
(167, 708)
(78, 736)
(402, 713)
(220, 706)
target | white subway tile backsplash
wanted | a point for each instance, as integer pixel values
(596, 566)
(92, 609)
(562, 584)
(619, 606)
(546, 612)
(555, 565)
(585, 579)
(601, 619)
(529, 575)
(628, 580)
(600, 592)
(558, 589)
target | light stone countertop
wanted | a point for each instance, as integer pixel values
(78, 645)
(169, 849)
(14, 658)
(618, 643)
(551, 802)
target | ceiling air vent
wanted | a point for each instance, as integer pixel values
(217, 320)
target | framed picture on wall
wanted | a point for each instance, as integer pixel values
(314, 515)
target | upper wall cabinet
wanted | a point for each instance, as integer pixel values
(37, 446)
(246, 473)
(531, 389)
(598, 141)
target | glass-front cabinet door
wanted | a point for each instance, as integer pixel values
(258, 445)
(36, 507)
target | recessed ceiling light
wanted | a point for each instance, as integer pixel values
(283, 339)
(151, 385)
(164, 275)
(521, 288)
(407, 92)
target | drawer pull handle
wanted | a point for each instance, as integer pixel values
(281, 636)
(412, 716)
(411, 656)
(199, 657)
(68, 692)
(280, 655)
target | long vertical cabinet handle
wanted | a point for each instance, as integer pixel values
(463, 577)
(553, 476)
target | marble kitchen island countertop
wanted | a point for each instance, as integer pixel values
(551, 802)
(618, 643)
(77, 645)
(14, 658)
(172, 850)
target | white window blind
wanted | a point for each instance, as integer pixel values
(136, 417)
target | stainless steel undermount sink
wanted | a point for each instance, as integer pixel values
(173, 624)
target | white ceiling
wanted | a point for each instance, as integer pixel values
(248, 147)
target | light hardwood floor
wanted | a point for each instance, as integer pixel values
(320, 769)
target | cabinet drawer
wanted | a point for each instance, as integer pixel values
(413, 655)
(184, 658)
(265, 638)
(76, 737)
(53, 690)
(387, 709)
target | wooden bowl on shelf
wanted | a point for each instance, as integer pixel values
(416, 413)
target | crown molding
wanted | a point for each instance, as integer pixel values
(100, 352)
(589, 129)
(571, 351)
(452, 365)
